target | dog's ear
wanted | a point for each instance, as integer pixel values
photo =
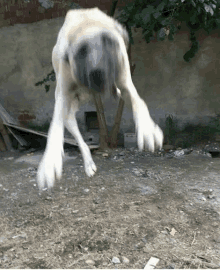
(123, 32)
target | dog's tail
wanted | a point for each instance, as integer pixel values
(97, 62)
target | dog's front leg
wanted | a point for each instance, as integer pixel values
(51, 164)
(149, 134)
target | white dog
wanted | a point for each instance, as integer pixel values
(90, 55)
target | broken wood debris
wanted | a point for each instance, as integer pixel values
(13, 127)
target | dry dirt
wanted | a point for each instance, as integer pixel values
(137, 206)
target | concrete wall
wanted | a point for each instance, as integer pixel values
(189, 91)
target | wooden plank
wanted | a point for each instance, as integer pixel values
(11, 124)
(5, 116)
(19, 138)
(66, 139)
(5, 136)
(2, 145)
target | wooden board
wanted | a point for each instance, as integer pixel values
(66, 140)
(5, 136)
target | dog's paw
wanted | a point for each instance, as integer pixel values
(49, 169)
(149, 134)
(90, 167)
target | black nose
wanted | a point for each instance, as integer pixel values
(97, 80)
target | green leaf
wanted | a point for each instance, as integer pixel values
(208, 9)
(137, 19)
(146, 19)
(146, 12)
(156, 15)
(193, 3)
(201, 1)
(213, 6)
(129, 6)
(218, 22)
(165, 21)
(161, 34)
(193, 19)
(173, 29)
(47, 88)
(161, 6)
(145, 32)
(131, 23)
(170, 37)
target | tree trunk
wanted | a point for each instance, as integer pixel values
(115, 130)
(104, 140)
(103, 131)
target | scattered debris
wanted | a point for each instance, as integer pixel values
(151, 264)
(90, 262)
(178, 153)
(125, 260)
(2, 239)
(23, 235)
(13, 127)
(172, 232)
(168, 147)
(9, 158)
(115, 260)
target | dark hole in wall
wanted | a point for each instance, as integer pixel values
(215, 154)
(91, 121)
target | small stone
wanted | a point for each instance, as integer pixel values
(115, 260)
(91, 262)
(23, 235)
(125, 260)
(2, 239)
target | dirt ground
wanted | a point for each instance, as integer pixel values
(137, 206)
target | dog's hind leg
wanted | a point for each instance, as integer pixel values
(71, 125)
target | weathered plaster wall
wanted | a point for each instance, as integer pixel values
(25, 58)
(167, 83)
(190, 91)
